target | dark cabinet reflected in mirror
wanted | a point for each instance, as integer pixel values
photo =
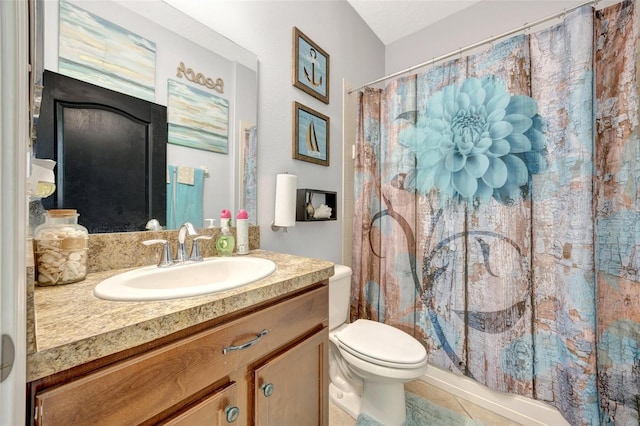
(111, 154)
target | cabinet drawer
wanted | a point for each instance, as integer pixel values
(136, 389)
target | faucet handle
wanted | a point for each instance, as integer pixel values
(165, 256)
(195, 249)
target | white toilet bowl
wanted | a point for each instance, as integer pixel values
(369, 362)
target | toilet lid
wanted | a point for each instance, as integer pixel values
(382, 344)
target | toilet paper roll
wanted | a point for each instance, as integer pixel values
(285, 211)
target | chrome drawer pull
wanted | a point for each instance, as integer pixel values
(246, 345)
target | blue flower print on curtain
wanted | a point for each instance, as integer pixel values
(475, 141)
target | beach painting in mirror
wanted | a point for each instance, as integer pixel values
(99, 52)
(197, 119)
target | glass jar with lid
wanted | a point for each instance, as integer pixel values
(61, 246)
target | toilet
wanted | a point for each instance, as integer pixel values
(369, 362)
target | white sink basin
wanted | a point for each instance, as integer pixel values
(191, 279)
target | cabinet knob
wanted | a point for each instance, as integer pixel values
(267, 389)
(232, 413)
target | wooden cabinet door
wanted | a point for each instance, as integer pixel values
(292, 387)
(218, 409)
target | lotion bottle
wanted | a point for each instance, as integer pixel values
(242, 231)
(225, 242)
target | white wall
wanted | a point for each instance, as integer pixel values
(356, 54)
(348, 172)
(481, 21)
(265, 28)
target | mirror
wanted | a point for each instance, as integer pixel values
(189, 53)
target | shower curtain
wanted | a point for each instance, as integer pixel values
(249, 173)
(497, 214)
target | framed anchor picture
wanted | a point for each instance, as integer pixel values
(310, 135)
(310, 67)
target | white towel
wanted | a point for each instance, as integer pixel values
(186, 175)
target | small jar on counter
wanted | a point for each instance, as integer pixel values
(61, 246)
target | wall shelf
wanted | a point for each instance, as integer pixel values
(317, 197)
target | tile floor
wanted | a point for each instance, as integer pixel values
(337, 417)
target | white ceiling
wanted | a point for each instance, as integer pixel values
(392, 20)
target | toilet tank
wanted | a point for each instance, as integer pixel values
(339, 296)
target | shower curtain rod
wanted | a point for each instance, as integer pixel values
(526, 26)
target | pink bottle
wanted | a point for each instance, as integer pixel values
(242, 232)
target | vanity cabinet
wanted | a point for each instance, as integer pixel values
(266, 366)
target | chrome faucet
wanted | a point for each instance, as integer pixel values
(185, 228)
(181, 256)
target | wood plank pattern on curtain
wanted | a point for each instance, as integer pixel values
(478, 223)
(617, 207)
(563, 271)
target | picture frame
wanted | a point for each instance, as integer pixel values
(80, 33)
(196, 118)
(311, 67)
(311, 140)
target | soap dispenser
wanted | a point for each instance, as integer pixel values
(225, 242)
(225, 218)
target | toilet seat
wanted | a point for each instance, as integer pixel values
(382, 345)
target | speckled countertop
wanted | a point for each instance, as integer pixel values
(73, 327)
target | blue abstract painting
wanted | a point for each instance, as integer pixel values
(97, 51)
(197, 119)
